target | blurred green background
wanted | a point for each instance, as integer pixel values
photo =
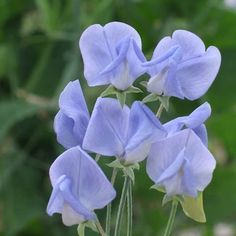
(39, 54)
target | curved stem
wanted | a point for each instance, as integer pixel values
(121, 206)
(108, 216)
(100, 229)
(130, 210)
(171, 218)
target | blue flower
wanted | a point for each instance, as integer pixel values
(194, 121)
(119, 131)
(79, 187)
(72, 119)
(181, 164)
(112, 55)
(182, 67)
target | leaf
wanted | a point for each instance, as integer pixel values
(13, 112)
(21, 200)
(193, 208)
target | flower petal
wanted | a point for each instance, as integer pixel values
(89, 185)
(194, 121)
(144, 128)
(107, 128)
(99, 48)
(191, 45)
(202, 161)
(196, 76)
(181, 163)
(71, 121)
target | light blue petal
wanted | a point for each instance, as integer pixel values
(181, 163)
(85, 187)
(201, 132)
(72, 119)
(194, 121)
(173, 168)
(191, 45)
(106, 51)
(201, 160)
(163, 153)
(107, 128)
(196, 75)
(144, 128)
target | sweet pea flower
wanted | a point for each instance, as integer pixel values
(181, 164)
(112, 55)
(182, 67)
(79, 187)
(71, 121)
(194, 121)
(119, 131)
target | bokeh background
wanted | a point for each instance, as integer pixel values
(39, 55)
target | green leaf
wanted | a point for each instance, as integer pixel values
(193, 208)
(13, 112)
(21, 199)
(150, 98)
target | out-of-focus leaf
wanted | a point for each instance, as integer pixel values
(12, 112)
(21, 199)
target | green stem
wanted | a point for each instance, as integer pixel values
(171, 218)
(108, 216)
(100, 229)
(130, 210)
(160, 110)
(121, 206)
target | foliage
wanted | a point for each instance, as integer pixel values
(39, 55)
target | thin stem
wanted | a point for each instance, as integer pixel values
(108, 216)
(159, 111)
(130, 210)
(171, 218)
(121, 206)
(100, 229)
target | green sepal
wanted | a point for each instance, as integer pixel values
(150, 98)
(166, 199)
(164, 101)
(121, 96)
(128, 171)
(110, 90)
(144, 83)
(158, 188)
(81, 229)
(133, 89)
(193, 208)
(89, 224)
(116, 164)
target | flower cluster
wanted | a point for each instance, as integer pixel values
(178, 160)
